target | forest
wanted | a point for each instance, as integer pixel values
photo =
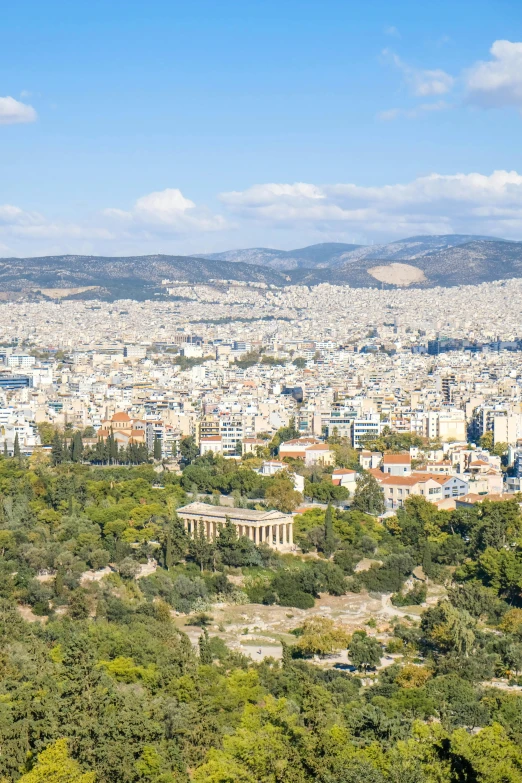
(99, 682)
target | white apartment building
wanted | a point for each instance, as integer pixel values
(20, 360)
(371, 425)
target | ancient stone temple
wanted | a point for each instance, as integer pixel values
(262, 527)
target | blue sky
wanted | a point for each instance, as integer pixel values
(133, 127)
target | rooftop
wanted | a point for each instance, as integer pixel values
(236, 515)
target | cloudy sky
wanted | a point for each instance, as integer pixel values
(175, 127)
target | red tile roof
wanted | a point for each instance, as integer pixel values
(397, 459)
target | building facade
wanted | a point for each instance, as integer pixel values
(262, 527)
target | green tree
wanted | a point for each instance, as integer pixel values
(77, 447)
(282, 495)
(286, 655)
(365, 652)
(54, 765)
(368, 496)
(58, 582)
(486, 441)
(499, 449)
(188, 449)
(282, 435)
(16, 447)
(329, 536)
(320, 636)
(205, 651)
(201, 549)
(46, 431)
(168, 554)
(157, 449)
(57, 451)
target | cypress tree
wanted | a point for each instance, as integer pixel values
(179, 540)
(287, 656)
(16, 448)
(329, 536)
(6, 453)
(57, 450)
(58, 582)
(77, 447)
(168, 551)
(112, 449)
(426, 560)
(157, 448)
(205, 653)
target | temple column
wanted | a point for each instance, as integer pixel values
(291, 533)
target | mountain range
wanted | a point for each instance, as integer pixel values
(332, 254)
(312, 257)
(422, 261)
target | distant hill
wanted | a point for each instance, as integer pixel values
(314, 256)
(410, 248)
(133, 277)
(469, 263)
(415, 262)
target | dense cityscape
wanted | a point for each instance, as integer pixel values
(248, 509)
(239, 362)
(261, 392)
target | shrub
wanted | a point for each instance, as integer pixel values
(414, 597)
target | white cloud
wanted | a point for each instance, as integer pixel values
(461, 203)
(167, 211)
(436, 82)
(423, 108)
(260, 195)
(497, 82)
(155, 218)
(16, 223)
(279, 214)
(14, 216)
(422, 83)
(13, 112)
(392, 31)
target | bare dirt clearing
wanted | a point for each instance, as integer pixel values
(257, 630)
(398, 274)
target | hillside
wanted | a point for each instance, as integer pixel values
(314, 256)
(470, 263)
(418, 261)
(135, 277)
(410, 248)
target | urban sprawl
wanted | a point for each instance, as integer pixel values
(437, 374)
